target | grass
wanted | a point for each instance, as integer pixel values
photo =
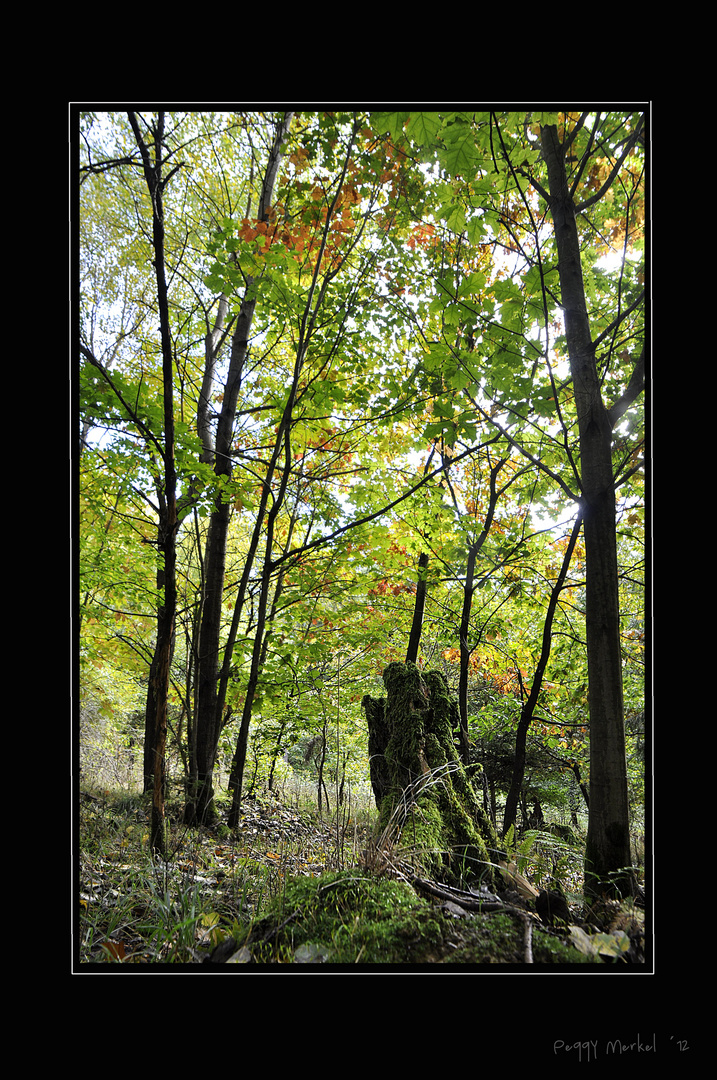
(292, 886)
(135, 908)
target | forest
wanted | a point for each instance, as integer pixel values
(360, 501)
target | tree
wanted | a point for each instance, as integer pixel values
(210, 704)
(523, 323)
(153, 166)
(608, 844)
(424, 794)
(167, 530)
(345, 294)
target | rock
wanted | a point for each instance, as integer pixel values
(221, 953)
(551, 905)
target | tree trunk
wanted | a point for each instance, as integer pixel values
(379, 735)
(158, 696)
(156, 672)
(414, 639)
(428, 809)
(526, 713)
(210, 704)
(150, 709)
(468, 590)
(608, 843)
(206, 734)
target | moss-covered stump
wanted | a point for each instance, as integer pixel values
(427, 804)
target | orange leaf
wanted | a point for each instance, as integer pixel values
(114, 949)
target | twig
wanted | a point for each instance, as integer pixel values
(528, 940)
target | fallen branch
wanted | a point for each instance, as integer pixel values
(470, 901)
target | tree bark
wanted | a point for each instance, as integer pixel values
(429, 812)
(158, 695)
(414, 639)
(200, 802)
(528, 709)
(151, 703)
(608, 841)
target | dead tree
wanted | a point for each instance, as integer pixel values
(427, 803)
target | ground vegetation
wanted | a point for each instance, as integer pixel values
(361, 515)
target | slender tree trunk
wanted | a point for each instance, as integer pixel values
(320, 783)
(167, 533)
(464, 668)
(526, 713)
(209, 705)
(414, 639)
(150, 711)
(206, 735)
(282, 447)
(468, 590)
(608, 841)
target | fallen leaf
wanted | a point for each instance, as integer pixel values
(114, 949)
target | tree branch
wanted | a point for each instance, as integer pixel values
(634, 388)
(619, 319)
(614, 171)
(140, 424)
(367, 518)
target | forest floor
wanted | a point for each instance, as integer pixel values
(294, 886)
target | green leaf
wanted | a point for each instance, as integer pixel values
(505, 289)
(547, 119)
(446, 429)
(467, 427)
(475, 230)
(459, 152)
(423, 127)
(214, 283)
(454, 216)
(443, 409)
(544, 402)
(433, 431)
(472, 284)
(391, 122)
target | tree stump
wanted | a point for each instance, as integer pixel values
(426, 801)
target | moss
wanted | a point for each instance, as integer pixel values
(550, 949)
(446, 828)
(494, 939)
(352, 917)
(500, 939)
(346, 918)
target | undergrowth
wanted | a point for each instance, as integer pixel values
(291, 886)
(137, 908)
